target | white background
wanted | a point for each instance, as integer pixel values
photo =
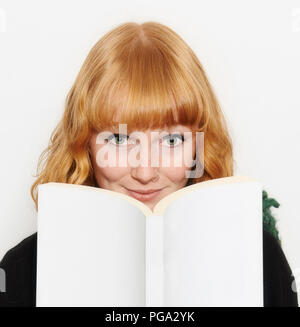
(249, 49)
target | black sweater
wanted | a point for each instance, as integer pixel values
(19, 264)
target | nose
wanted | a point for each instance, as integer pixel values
(145, 172)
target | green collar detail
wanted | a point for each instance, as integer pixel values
(269, 221)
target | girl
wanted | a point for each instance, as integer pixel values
(147, 77)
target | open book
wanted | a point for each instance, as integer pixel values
(201, 246)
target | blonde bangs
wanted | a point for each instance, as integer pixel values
(144, 88)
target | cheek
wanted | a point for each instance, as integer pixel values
(106, 170)
(178, 174)
(110, 174)
(174, 174)
(181, 162)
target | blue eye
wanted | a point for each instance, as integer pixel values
(173, 138)
(120, 138)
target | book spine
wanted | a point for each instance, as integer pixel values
(154, 261)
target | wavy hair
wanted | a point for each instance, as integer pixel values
(144, 75)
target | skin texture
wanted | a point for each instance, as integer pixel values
(166, 175)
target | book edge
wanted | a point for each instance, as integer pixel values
(162, 205)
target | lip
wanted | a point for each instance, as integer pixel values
(143, 195)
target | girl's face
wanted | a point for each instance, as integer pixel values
(143, 161)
